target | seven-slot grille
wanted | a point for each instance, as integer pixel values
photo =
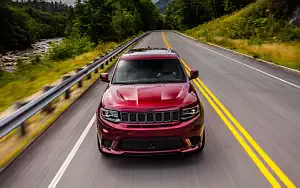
(149, 117)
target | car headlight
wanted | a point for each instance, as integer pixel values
(110, 115)
(189, 113)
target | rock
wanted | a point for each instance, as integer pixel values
(296, 17)
(6, 59)
(8, 64)
(10, 59)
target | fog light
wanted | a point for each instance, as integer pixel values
(195, 140)
(106, 143)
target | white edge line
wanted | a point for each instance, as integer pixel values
(264, 61)
(68, 160)
(242, 54)
(294, 85)
(142, 42)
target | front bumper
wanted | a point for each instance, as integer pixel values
(188, 133)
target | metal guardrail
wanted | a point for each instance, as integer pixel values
(18, 117)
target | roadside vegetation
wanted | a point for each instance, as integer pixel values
(182, 14)
(13, 144)
(30, 78)
(256, 32)
(91, 28)
(265, 29)
(24, 22)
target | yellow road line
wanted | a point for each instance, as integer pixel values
(242, 142)
(165, 40)
(254, 144)
(249, 138)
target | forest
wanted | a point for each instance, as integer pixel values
(185, 14)
(266, 29)
(263, 29)
(24, 22)
(90, 29)
(92, 22)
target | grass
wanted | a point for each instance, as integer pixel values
(25, 82)
(12, 145)
(254, 31)
(279, 53)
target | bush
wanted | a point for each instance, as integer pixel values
(69, 47)
(256, 31)
(255, 23)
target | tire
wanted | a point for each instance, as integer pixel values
(98, 144)
(99, 148)
(198, 151)
(203, 142)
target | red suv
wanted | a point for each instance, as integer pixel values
(150, 106)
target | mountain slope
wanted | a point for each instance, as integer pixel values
(162, 5)
(255, 30)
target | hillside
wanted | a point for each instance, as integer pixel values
(162, 5)
(23, 23)
(90, 28)
(260, 30)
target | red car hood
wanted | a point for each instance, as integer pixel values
(156, 96)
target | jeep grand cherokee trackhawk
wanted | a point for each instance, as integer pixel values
(150, 106)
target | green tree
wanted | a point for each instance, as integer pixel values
(14, 33)
(22, 23)
(182, 14)
(115, 19)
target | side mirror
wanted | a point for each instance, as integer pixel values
(194, 74)
(104, 77)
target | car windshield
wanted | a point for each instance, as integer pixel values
(149, 71)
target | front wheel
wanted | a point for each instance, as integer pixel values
(99, 145)
(203, 142)
(200, 150)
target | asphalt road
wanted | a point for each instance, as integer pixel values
(264, 100)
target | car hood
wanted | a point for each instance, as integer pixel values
(154, 96)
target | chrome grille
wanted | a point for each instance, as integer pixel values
(149, 117)
(132, 117)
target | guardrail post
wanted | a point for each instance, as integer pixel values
(67, 92)
(48, 108)
(89, 76)
(106, 62)
(96, 70)
(19, 105)
(102, 66)
(80, 82)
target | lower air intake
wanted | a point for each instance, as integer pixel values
(151, 144)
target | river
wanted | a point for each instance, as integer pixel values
(8, 61)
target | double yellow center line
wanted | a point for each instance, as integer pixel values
(240, 133)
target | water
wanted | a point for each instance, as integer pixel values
(8, 61)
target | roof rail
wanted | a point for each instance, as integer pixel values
(145, 49)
